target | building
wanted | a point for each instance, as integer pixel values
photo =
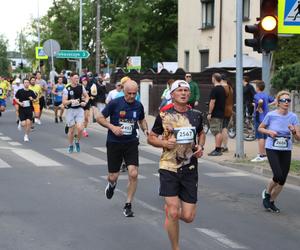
(16, 59)
(207, 31)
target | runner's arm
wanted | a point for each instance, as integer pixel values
(144, 126)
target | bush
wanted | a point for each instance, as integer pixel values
(288, 77)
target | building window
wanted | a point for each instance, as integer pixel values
(246, 10)
(204, 57)
(208, 7)
(187, 60)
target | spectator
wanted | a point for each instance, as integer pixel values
(195, 92)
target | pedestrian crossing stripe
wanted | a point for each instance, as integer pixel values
(289, 16)
(4, 164)
(82, 157)
(226, 174)
(14, 143)
(5, 138)
(142, 160)
(36, 158)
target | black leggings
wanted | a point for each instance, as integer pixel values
(280, 162)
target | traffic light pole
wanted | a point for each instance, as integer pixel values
(239, 152)
(266, 71)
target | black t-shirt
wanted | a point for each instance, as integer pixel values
(97, 91)
(184, 127)
(23, 96)
(249, 93)
(218, 93)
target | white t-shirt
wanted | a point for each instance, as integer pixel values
(16, 88)
(112, 95)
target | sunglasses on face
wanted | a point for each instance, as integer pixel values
(188, 76)
(285, 100)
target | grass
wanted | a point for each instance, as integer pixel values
(295, 166)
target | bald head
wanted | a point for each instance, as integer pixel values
(130, 90)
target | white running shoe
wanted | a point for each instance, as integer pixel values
(259, 159)
(26, 138)
(19, 126)
(37, 121)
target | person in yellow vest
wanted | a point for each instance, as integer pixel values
(4, 88)
(36, 88)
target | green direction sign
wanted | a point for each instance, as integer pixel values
(72, 54)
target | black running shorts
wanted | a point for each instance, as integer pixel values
(25, 114)
(183, 184)
(42, 103)
(116, 152)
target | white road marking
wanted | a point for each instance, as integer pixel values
(4, 164)
(227, 174)
(157, 174)
(36, 158)
(82, 157)
(142, 160)
(221, 238)
(5, 138)
(14, 143)
(124, 177)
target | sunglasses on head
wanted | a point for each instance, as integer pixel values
(285, 100)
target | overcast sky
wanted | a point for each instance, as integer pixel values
(16, 14)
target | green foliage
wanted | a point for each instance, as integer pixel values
(288, 51)
(128, 28)
(4, 63)
(288, 77)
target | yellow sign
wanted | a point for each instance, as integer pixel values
(289, 17)
(40, 53)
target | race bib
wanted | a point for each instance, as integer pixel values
(75, 103)
(184, 135)
(26, 104)
(59, 93)
(127, 128)
(280, 142)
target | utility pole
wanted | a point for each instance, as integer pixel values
(80, 36)
(21, 52)
(98, 41)
(239, 152)
(38, 29)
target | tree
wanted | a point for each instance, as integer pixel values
(288, 77)
(4, 62)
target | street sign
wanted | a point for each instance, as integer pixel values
(73, 54)
(51, 47)
(289, 16)
(40, 53)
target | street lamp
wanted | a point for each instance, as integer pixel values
(80, 36)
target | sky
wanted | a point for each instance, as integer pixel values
(16, 14)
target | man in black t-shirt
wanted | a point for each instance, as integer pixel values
(216, 111)
(178, 130)
(24, 98)
(248, 94)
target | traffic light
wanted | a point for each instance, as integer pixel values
(268, 25)
(255, 41)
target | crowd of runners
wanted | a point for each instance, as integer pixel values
(178, 130)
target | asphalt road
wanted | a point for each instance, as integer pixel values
(53, 200)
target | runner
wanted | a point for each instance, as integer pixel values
(178, 130)
(279, 125)
(36, 103)
(16, 86)
(24, 98)
(72, 99)
(42, 99)
(125, 114)
(57, 91)
(87, 107)
(4, 88)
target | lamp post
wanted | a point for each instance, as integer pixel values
(38, 28)
(98, 39)
(80, 36)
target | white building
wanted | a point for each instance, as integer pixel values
(207, 31)
(15, 59)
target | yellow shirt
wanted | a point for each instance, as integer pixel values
(37, 90)
(3, 89)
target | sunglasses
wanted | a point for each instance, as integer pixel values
(188, 76)
(285, 100)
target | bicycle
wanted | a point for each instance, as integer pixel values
(248, 130)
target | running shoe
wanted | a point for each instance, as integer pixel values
(266, 201)
(56, 120)
(19, 126)
(77, 146)
(259, 159)
(38, 121)
(85, 133)
(71, 149)
(109, 190)
(274, 208)
(215, 153)
(26, 138)
(60, 119)
(127, 210)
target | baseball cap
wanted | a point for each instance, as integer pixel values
(179, 83)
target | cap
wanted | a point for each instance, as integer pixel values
(18, 80)
(124, 79)
(179, 83)
(84, 79)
